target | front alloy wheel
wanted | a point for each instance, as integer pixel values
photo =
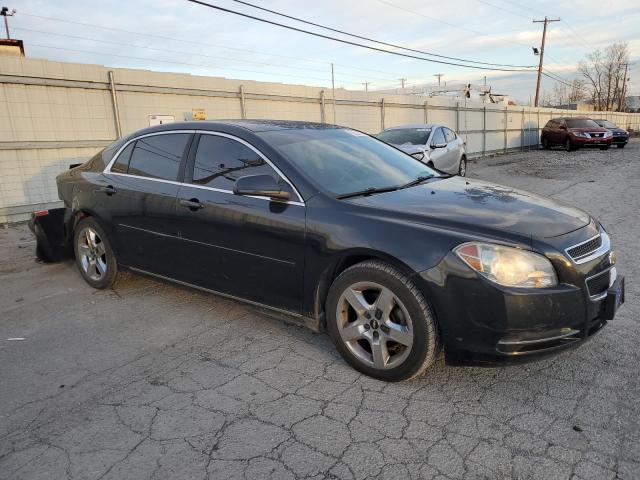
(374, 325)
(462, 169)
(380, 322)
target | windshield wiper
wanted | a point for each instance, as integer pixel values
(417, 181)
(367, 191)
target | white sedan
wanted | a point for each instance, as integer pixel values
(435, 145)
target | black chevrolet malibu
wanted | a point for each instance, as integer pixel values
(336, 229)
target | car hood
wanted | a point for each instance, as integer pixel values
(619, 130)
(465, 203)
(589, 129)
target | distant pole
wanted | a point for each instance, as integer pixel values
(544, 36)
(5, 12)
(402, 80)
(622, 104)
(366, 86)
(333, 88)
(439, 75)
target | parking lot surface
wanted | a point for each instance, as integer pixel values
(151, 380)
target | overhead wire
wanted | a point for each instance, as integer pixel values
(348, 42)
(369, 39)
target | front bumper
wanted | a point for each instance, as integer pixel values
(483, 323)
(620, 139)
(586, 142)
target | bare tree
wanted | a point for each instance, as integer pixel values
(564, 93)
(604, 72)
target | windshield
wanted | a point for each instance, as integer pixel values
(581, 123)
(343, 161)
(400, 136)
(606, 124)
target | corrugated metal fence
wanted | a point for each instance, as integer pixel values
(53, 114)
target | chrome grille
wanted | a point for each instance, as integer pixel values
(585, 248)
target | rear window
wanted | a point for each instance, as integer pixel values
(402, 136)
(158, 156)
(581, 123)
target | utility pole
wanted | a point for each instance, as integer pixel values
(439, 75)
(333, 89)
(402, 80)
(366, 86)
(5, 12)
(622, 102)
(544, 36)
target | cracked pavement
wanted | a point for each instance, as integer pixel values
(155, 381)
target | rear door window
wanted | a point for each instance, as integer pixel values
(220, 161)
(158, 156)
(121, 164)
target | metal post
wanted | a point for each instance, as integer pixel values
(506, 118)
(484, 130)
(522, 132)
(322, 112)
(538, 128)
(114, 100)
(243, 105)
(426, 111)
(382, 112)
(333, 88)
(457, 116)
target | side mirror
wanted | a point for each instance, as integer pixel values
(261, 186)
(438, 145)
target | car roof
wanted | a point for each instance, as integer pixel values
(250, 125)
(414, 125)
(572, 118)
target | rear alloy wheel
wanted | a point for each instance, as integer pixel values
(462, 169)
(94, 255)
(381, 323)
(568, 145)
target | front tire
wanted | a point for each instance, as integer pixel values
(604, 147)
(568, 145)
(94, 255)
(621, 145)
(545, 143)
(462, 168)
(381, 323)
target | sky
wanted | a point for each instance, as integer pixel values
(180, 36)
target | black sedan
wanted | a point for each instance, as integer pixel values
(620, 135)
(336, 229)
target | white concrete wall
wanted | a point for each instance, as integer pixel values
(53, 114)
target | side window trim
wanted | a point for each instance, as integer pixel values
(187, 160)
(246, 144)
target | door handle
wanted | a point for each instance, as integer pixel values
(192, 204)
(109, 190)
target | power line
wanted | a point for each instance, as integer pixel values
(173, 62)
(185, 53)
(393, 45)
(348, 42)
(559, 80)
(193, 42)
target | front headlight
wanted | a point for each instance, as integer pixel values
(508, 266)
(581, 134)
(608, 134)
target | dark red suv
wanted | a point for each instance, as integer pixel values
(575, 132)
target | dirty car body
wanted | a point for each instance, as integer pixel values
(196, 228)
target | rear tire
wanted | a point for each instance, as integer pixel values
(390, 333)
(621, 145)
(568, 145)
(94, 255)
